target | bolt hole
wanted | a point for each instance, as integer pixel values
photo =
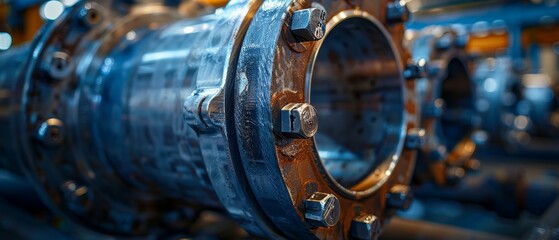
(92, 16)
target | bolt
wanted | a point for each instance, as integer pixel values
(415, 138)
(60, 65)
(433, 109)
(400, 197)
(397, 12)
(51, 132)
(299, 120)
(322, 209)
(365, 227)
(416, 69)
(90, 15)
(308, 24)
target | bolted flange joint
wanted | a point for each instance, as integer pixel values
(308, 24)
(365, 227)
(299, 120)
(322, 210)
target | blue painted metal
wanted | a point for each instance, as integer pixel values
(524, 14)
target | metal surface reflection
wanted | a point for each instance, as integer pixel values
(130, 119)
(356, 89)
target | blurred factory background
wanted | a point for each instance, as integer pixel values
(501, 178)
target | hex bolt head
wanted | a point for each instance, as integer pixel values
(399, 197)
(433, 109)
(60, 65)
(322, 210)
(365, 227)
(415, 138)
(397, 12)
(90, 15)
(299, 120)
(51, 132)
(416, 69)
(308, 24)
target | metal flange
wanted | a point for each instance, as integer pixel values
(271, 74)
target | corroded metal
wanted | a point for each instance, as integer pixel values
(129, 118)
(447, 95)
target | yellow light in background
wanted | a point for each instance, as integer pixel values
(5, 40)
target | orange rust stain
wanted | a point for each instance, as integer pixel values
(411, 106)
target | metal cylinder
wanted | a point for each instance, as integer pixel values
(129, 119)
(109, 117)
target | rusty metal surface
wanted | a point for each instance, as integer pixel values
(129, 119)
(283, 172)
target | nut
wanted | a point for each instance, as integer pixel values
(322, 210)
(299, 120)
(400, 197)
(365, 227)
(397, 12)
(51, 132)
(415, 138)
(308, 24)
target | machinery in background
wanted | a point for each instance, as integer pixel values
(513, 68)
(514, 50)
(447, 95)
